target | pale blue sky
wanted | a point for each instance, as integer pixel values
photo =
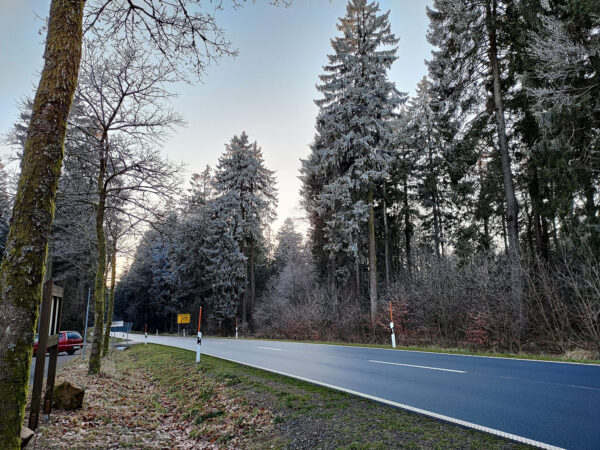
(268, 90)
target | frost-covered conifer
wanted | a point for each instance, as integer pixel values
(289, 242)
(354, 132)
(248, 192)
(425, 136)
(225, 266)
(472, 44)
(200, 191)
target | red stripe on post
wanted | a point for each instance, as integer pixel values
(199, 319)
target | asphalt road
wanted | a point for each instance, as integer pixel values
(551, 404)
(63, 359)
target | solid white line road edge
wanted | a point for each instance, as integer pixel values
(419, 351)
(418, 367)
(512, 437)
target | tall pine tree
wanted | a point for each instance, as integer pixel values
(242, 178)
(354, 134)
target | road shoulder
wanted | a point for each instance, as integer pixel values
(155, 396)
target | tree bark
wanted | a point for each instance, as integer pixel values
(111, 298)
(252, 270)
(434, 198)
(539, 222)
(436, 229)
(22, 269)
(407, 230)
(245, 298)
(386, 241)
(357, 276)
(504, 238)
(372, 261)
(486, 234)
(99, 283)
(512, 207)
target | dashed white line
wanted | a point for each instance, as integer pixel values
(424, 412)
(583, 387)
(271, 348)
(418, 367)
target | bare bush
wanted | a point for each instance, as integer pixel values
(449, 303)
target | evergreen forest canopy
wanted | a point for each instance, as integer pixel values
(473, 207)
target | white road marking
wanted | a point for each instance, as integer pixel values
(418, 367)
(423, 412)
(583, 387)
(548, 382)
(270, 348)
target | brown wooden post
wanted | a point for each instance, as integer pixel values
(57, 297)
(48, 338)
(40, 358)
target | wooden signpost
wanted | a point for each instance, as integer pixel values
(48, 337)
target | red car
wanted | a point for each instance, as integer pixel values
(68, 341)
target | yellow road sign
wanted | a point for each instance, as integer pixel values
(183, 318)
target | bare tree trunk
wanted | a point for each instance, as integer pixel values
(528, 232)
(436, 229)
(539, 223)
(545, 239)
(512, 207)
(111, 298)
(99, 284)
(486, 234)
(386, 242)
(372, 261)
(245, 302)
(504, 238)
(357, 277)
(434, 198)
(252, 270)
(22, 269)
(407, 231)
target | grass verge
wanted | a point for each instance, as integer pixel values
(156, 397)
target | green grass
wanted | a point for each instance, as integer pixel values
(301, 414)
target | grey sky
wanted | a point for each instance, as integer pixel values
(268, 90)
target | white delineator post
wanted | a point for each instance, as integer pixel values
(392, 327)
(146, 334)
(157, 331)
(236, 328)
(199, 342)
